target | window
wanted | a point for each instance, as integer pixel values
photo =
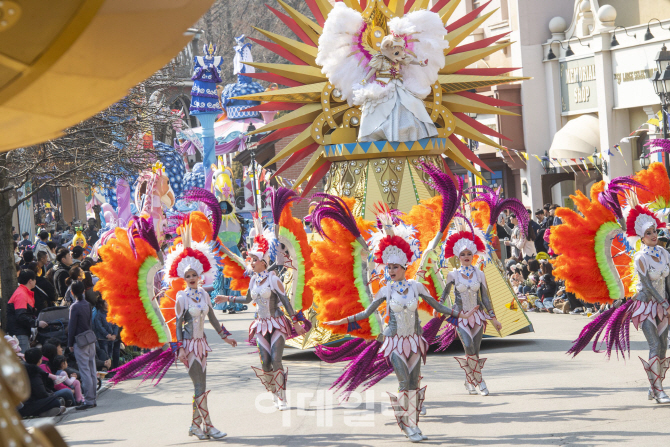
(504, 9)
(493, 179)
(476, 4)
(638, 145)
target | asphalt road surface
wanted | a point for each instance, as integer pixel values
(539, 396)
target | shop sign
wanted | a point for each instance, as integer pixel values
(633, 70)
(578, 85)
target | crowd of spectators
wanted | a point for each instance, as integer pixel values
(528, 265)
(62, 356)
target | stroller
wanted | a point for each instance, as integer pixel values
(58, 319)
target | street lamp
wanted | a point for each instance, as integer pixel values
(251, 147)
(597, 161)
(644, 158)
(545, 163)
(661, 82)
(615, 42)
(473, 145)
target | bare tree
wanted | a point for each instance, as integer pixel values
(110, 144)
(227, 19)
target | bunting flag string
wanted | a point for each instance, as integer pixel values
(618, 148)
(567, 163)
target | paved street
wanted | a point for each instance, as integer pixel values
(539, 396)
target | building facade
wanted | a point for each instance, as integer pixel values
(599, 62)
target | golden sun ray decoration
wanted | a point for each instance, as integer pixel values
(326, 126)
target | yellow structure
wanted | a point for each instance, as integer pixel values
(62, 62)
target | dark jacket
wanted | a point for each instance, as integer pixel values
(21, 313)
(80, 320)
(102, 327)
(548, 287)
(45, 293)
(60, 275)
(38, 379)
(25, 244)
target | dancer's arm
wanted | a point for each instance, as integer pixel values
(219, 328)
(235, 299)
(451, 311)
(278, 288)
(360, 315)
(179, 326)
(486, 300)
(447, 287)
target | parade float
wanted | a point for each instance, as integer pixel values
(371, 92)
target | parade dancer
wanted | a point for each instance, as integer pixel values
(596, 242)
(270, 328)
(190, 261)
(650, 311)
(394, 248)
(471, 292)
(127, 278)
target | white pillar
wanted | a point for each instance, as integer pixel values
(614, 124)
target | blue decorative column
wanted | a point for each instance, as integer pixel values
(205, 102)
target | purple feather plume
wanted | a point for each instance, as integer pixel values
(332, 207)
(451, 194)
(594, 329)
(497, 205)
(366, 367)
(431, 329)
(210, 201)
(447, 337)
(345, 352)
(150, 366)
(142, 228)
(279, 199)
(609, 197)
(617, 334)
(663, 145)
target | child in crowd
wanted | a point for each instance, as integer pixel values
(59, 364)
(41, 402)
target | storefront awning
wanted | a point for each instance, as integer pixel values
(579, 138)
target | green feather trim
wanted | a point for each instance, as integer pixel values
(300, 266)
(658, 204)
(146, 298)
(359, 282)
(603, 254)
(437, 283)
(433, 275)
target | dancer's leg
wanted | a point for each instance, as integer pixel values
(404, 408)
(199, 379)
(657, 365)
(280, 375)
(468, 363)
(477, 343)
(277, 351)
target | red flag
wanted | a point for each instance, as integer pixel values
(580, 168)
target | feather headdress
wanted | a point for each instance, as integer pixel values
(189, 255)
(264, 245)
(396, 242)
